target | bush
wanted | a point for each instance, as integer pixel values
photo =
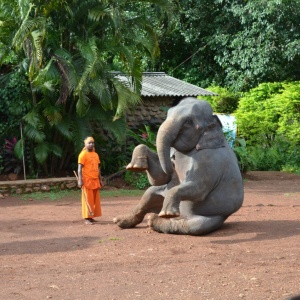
(9, 163)
(245, 160)
(268, 120)
(268, 112)
(281, 156)
(226, 102)
(144, 136)
(138, 180)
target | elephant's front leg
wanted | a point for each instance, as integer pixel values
(181, 192)
(151, 201)
(144, 159)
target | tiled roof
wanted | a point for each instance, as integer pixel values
(159, 84)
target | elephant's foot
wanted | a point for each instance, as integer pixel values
(127, 221)
(169, 214)
(169, 210)
(139, 161)
(153, 220)
(160, 224)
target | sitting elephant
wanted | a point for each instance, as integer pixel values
(195, 178)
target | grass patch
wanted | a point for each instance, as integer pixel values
(114, 239)
(51, 195)
(59, 194)
(121, 193)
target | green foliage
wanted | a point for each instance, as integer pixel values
(146, 137)
(53, 195)
(14, 103)
(57, 59)
(266, 158)
(225, 102)
(245, 160)
(10, 162)
(138, 180)
(237, 44)
(291, 169)
(142, 182)
(270, 111)
(268, 119)
(281, 156)
(113, 157)
(259, 42)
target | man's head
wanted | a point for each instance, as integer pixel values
(89, 144)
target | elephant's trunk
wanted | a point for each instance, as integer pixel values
(166, 135)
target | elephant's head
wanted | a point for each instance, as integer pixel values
(189, 125)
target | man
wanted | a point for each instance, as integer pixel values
(89, 180)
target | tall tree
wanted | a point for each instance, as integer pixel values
(234, 43)
(68, 51)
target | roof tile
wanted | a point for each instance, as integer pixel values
(156, 84)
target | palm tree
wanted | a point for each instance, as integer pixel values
(68, 52)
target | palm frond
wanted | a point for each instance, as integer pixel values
(34, 134)
(33, 118)
(126, 97)
(53, 113)
(102, 92)
(117, 127)
(83, 103)
(42, 151)
(66, 62)
(38, 37)
(64, 128)
(80, 128)
(68, 76)
(149, 42)
(89, 53)
(105, 119)
(168, 6)
(27, 26)
(56, 150)
(98, 13)
(19, 148)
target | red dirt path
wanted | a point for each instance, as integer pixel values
(48, 253)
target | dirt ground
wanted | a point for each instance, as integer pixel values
(48, 253)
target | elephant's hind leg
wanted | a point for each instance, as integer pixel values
(194, 225)
(151, 201)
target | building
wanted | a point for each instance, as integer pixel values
(159, 92)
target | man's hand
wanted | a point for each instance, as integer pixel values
(80, 183)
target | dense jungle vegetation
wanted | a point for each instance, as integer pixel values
(57, 84)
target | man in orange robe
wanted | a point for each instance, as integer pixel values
(89, 180)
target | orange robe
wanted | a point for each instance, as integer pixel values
(91, 183)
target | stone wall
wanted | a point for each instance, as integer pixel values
(152, 111)
(37, 185)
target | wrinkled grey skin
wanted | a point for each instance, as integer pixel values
(197, 189)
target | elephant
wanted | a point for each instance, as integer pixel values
(196, 183)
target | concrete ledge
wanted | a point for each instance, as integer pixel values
(37, 185)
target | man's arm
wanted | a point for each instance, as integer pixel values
(80, 182)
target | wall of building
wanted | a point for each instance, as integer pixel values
(152, 111)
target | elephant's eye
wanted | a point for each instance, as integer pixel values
(188, 122)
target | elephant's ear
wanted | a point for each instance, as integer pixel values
(213, 136)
